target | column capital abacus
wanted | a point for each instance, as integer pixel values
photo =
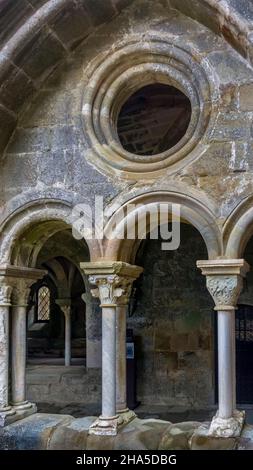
(224, 280)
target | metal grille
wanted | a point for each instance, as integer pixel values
(44, 304)
(244, 325)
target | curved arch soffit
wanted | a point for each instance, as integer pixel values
(40, 220)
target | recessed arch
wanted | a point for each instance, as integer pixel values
(34, 224)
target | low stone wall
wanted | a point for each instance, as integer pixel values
(60, 384)
(63, 432)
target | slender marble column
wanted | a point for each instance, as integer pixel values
(19, 310)
(5, 302)
(107, 292)
(121, 397)
(125, 415)
(67, 315)
(65, 306)
(224, 279)
(225, 363)
(109, 362)
(113, 281)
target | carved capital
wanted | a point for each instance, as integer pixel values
(224, 280)
(65, 306)
(66, 310)
(108, 288)
(225, 290)
(113, 280)
(21, 291)
(17, 280)
(5, 293)
(112, 289)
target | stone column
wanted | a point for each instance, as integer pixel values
(22, 280)
(93, 324)
(65, 305)
(125, 415)
(224, 280)
(110, 279)
(21, 292)
(6, 410)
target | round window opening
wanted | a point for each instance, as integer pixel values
(154, 119)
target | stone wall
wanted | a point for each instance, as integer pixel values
(173, 325)
(63, 385)
(50, 156)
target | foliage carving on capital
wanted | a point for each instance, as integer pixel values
(225, 290)
(5, 293)
(21, 291)
(111, 289)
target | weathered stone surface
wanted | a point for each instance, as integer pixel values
(202, 441)
(246, 97)
(71, 24)
(62, 432)
(32, 433)
(62, 385)
(7, 121)
(16, 86)
(178, 436)
(72, 436)
(33, 56)
(13, 14)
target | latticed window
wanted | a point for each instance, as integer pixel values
(43, 305)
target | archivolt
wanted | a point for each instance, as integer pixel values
(192, 212)
(239, 229)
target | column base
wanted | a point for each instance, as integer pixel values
(125, 416)
(23, 405)
(6, 416)
(104, 426)
(227, 427)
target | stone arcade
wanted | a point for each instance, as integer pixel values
(144, 103)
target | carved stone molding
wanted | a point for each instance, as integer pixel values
(153, 60)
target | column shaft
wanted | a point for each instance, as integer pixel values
(121, 397)
(226, 363)
(67, 339)
(108, 362)
(19, 355)
(4, 357)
